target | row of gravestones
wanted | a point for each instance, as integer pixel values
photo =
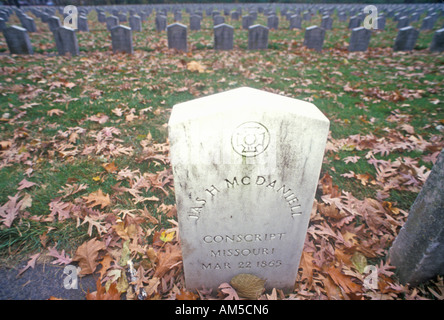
(66, 41)
(18, 40)
(295, 20)
(295, 15)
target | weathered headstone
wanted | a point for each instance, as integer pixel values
(235, 15)
(247, 21)
(82, 24)
(2, 24)
(111, 22)
(122, 17)
(314, 38)
(217, 19)
(28, 23)
(17, 39)
(66, 41)
(122, 39)
(44, 17)
(381, 20)
(359, 39)
(246, 165)
(403, 22)
(354, 22)
(177, 36)
(101, 17)
(135, 23)
(415, 16)
(295, 22)
(178, 16)
(54, 23)
(418, 250)
(427, 23)
(273, 22)
(342, 16)
(257, 37)
(161, 23)
(327, 22)
(438, 41)
(223, 37)
(406, 39)
(195, 22)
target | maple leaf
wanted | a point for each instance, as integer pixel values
(343, 281)
(227, 289)
(56, 112)
(97, 199)
(352, 159)
(327, 186)
(30, 264)
(10, 210)
(69, 85)
(168, 259)
(330, 288)
(61, 258)
(86, 255)
(146, 214)
(110, 167)
(102, 294)
(70, 189)
(186, 295)
(195, 66)
(62, 209)
(106, 264)
(167, 237)
(94, 223)
(24, 184)
(364, 178)
(100, 118)
(307, 266)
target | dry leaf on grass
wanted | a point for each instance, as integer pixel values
(97, 198)
(86, 255)
(168, 259)
(195, 66)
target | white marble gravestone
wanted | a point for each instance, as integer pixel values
(246, 165)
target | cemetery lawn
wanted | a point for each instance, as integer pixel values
(85, 175)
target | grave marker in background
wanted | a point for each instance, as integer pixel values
(122, 39)
(257, 37)
(314, 38)
(223, 37)
(177, 36)
(418, 250)
(111, 22)
(438, 41)
(359, 39)
(135, 23)
(406, 39)
(66, 41)
(17, 39)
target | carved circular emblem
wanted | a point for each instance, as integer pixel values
(250, 139)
